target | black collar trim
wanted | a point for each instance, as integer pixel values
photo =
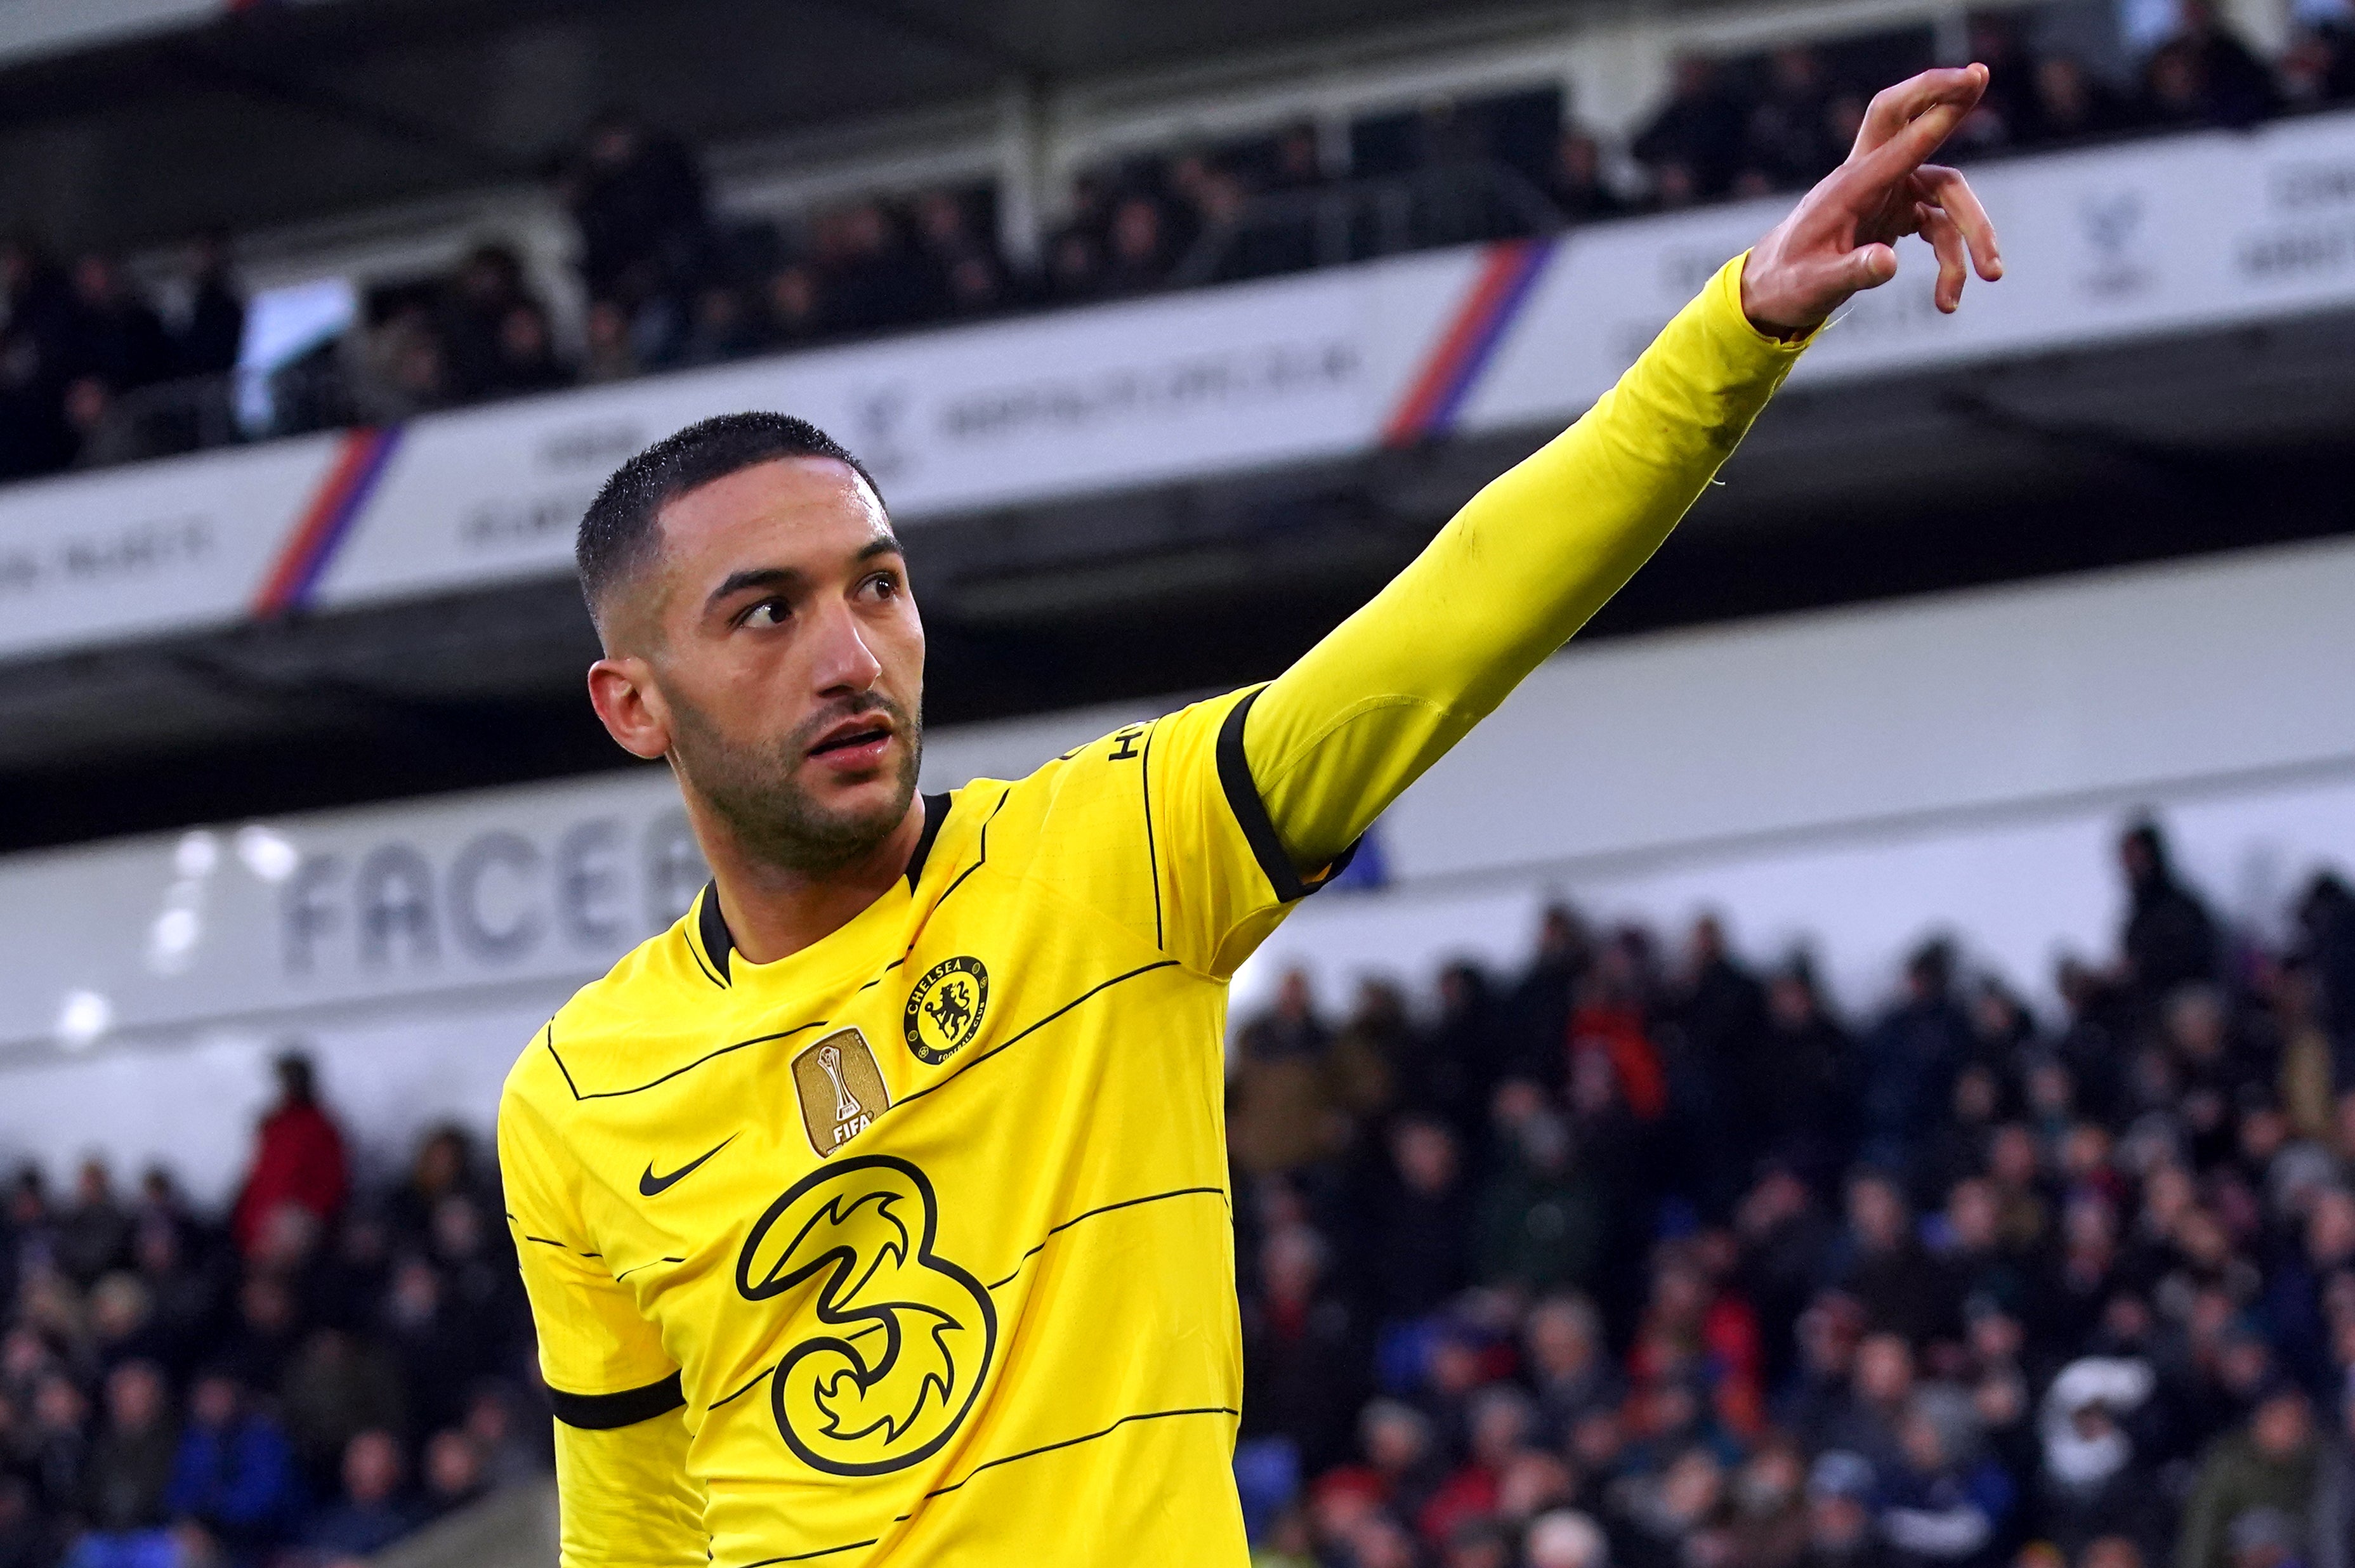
(712, 926)
(936, 811)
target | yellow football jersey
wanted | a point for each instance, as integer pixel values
(915, 1246)
(930, 1221)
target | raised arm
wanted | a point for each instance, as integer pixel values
(1337, 737)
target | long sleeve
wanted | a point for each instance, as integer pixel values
(625, 1497)
(1340, 734)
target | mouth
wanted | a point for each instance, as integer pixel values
(854, 743)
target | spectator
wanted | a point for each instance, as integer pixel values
(94, 1234)
(796, 306)
(1279, 1114)
(234, 1473)
(1939, 1503)
(1800, 1088)
(2169, 939)
(370, 1515)
(2010, 114)
(2074, 105)
(2228, 84)
(1787, 139)
(2095, 1483)
(119, 338)
(1910, 1061)
(298, 1159)
(611, 356)
(1566, 1538)
(472, 319)
(1694, 143)
(453, 1473)
(211, 330)
(872, 279)
(131, 1465)
(1577, 187)
(1570, 1364)
(1902, 1289)
(1421, 1258)
(638, 200)
(1140, 252)
(26, 1540)
(1540, 1220)
(339, 1386)
(37, 358)
(977, 284)
(2273, 1463)
(423, 1330)
(505, 1456)
(524, 357)
(722, 329)
(1302, 1351)
(1840, 1529)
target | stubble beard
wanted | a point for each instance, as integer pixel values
(756, 790)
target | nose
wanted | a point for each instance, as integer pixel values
(846, 665)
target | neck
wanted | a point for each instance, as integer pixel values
(774, 913)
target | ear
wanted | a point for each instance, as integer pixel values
(633, 713)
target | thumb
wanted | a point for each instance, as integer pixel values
(1868, 267)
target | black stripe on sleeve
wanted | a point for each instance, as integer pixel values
(1250, 812)
(605, 1412)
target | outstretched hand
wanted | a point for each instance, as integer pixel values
(1840, 239)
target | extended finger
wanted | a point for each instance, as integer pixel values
(1873, 177)
(1947, 242)
(1894, 108)
(1948, 189)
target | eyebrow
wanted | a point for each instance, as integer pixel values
(786, 577)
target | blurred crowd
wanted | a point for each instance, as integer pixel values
(75, 340)
(1643, 1259)
(1783, 121)
(665, 281)
(299, 1385)
(1633, 1259)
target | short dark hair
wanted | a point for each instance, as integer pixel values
(617, 532)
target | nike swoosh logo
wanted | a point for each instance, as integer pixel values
(652, 1186)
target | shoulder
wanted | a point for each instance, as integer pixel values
(1115, 761)
(651, 981)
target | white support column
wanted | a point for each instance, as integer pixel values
(1023, 201)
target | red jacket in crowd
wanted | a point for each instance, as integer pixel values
(298, 1159)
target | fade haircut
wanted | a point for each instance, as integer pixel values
(618, 533)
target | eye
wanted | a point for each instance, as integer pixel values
(767, 613)
(882, 585)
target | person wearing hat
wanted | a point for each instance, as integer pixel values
(2092, 1482)
(1840, 1532)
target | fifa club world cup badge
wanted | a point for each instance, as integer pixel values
(840, 1088)
(944, 1009)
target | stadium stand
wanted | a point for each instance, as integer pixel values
(1641, 1248)
(94, 376)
